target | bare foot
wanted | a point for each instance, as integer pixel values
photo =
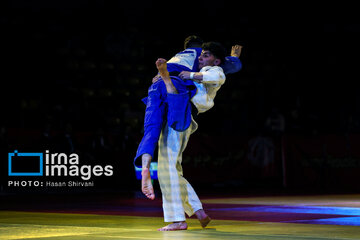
(203, 217)
(176, 226)
(146, 185)
(164, 73)
(162, 67)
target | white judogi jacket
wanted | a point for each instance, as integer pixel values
(213, 78)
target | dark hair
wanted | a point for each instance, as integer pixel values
(217, 49)
(193, 41)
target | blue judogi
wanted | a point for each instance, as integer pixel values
(231, 65)
(187, 60)
(161, 106)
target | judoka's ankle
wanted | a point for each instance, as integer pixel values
(146, 160)
(145, 170)
(180, 222)
(200, 214)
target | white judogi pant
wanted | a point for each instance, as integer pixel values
(178, 196)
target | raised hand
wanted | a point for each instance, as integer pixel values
(236, 51)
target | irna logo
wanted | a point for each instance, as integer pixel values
(25, 164)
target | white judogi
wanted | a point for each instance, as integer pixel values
(213, 78)
(178, 196)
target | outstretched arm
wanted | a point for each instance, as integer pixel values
(232, 63)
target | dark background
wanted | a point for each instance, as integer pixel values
(73, 74)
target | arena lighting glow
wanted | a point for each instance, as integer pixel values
(347, 216)
(349, 211)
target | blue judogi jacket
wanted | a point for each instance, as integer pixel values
(187, 60)
(231, 65)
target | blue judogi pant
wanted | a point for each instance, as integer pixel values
(165, 108)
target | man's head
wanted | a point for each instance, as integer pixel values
(213, 54)
(192, 42)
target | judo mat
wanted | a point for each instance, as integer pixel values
(133, 217)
